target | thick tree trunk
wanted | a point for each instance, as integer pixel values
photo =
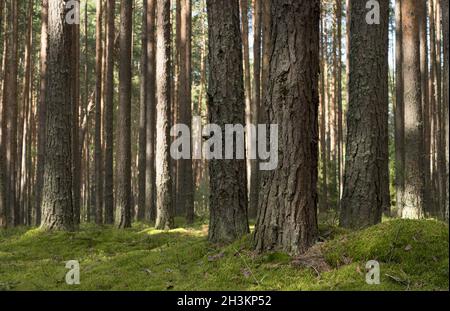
(150, 175)
(164, 204)
(226, 105)
(57, 204)
(123, 160)
(365, 176)
(414, 179)
(287, 217)
(109, 113)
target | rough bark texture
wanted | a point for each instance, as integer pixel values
(98, 116)
(164, 204)
(109, 112)
(365, 176)
(123, 197)
(287, 217)
(414, 179)
(150, 183)
(57, 205)
(226, 105)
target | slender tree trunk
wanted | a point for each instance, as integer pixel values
(323, 199)
(164, 203)
(445, 29)
(142, 118)
(185, 193)
(98, 116)
(150, 174)
(266, 52)
(123, 160)
(226, 105)
(288, 200)
(76, 150)
(109, 113)
(365, 176)
(57, 203)
(425, 99)
(399, 111)
(414, 179)
(340, 144)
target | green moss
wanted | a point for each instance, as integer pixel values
(412, 255)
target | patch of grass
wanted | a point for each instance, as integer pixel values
(412, 255)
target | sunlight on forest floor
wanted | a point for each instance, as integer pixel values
(413, 255)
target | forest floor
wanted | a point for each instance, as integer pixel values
(413, 255)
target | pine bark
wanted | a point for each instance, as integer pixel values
(57, 206)
(414, 180)
(226, 105)
(164, 203)
(287, 217)
(123, 160)
(365, 176)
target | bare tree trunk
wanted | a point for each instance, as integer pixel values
(98, 116)
(226, 105)
(323, 199)
(123, 160)
(109, 113)
(414, 180)
(57, 203)
(185, 193)
(164, 203)
(142, 118)
(445, 29)
(364, 176)
(287, 219)
(150, 174)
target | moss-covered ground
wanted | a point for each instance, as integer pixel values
(413, 255)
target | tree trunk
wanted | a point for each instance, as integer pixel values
(98, 116)
(57, 204)
(323, 199)
(123, 160)
(399, 111)
(414, 179)
(226, 105)
(288, 198)
(142, 118)
(365, 176)
(109, 113)
(164, 204)
(185, 193)
(150, 175)
(445, 29)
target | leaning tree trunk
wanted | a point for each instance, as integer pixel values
(57, 204)
(366, 175)
(287, 216)
(414, 177)
(226, 105)
(164, 204)
(123, 160)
